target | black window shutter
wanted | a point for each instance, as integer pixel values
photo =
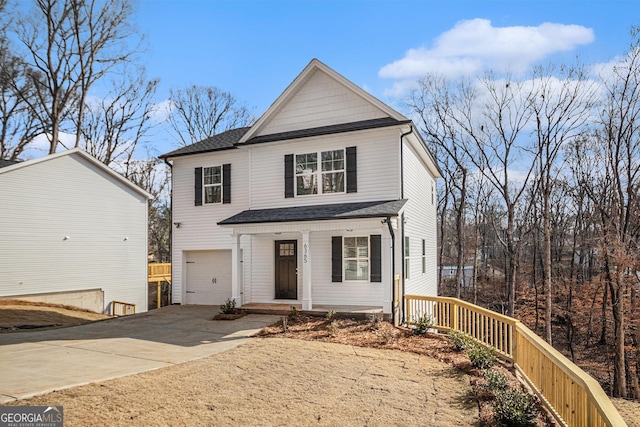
(376, 257)
(288, 175)
(198, 187)
(336, 258)
(352, 174)
(226, 183)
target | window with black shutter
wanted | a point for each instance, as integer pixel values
(198, 187)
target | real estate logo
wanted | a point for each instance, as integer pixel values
(31, 416)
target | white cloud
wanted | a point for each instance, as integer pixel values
(162, 110)
(473, 45)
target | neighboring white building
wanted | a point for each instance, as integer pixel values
(73, 232)
(449, 274)
(323, 201)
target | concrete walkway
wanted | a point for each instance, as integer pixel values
(39, 362)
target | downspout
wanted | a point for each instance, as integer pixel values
(393, 269)
(402, 216)
(171, 230)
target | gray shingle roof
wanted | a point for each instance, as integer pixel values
(4, 162)
(221, 141)
(327, 130)
(229, 139)
(374, 209)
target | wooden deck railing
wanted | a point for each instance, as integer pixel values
(160, 272)
(572, 396)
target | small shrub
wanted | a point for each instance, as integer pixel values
(422, 325)
(374, 321)
(481, 356)
(515, 408)
(293, 312)
(333, 328)
(330, 314)
(460, 340)
(285, 324)
(228, 307)
(496, 381)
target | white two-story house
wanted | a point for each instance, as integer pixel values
(327, 200)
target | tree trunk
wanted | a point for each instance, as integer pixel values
(619, 388)
(547, 269)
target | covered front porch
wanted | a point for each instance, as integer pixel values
(300, 254)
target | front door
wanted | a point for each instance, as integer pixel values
(286, 269)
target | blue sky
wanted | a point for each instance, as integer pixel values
(254, 49)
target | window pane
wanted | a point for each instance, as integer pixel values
(306, 184)
(212, 175)
(356, 270)
(333, 182)
(332, 160)
(213, 194)
(306, 163)
(286, 249)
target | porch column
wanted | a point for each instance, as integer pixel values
(306, 271)
(236, 265)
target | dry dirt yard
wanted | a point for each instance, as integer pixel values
(16, 315)
(356, 373)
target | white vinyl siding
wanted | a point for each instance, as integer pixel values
(198, 224)
(420, 220)
(68, 225)
(377, 159)
(321, 101)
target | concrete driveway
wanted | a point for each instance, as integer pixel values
(39, 362)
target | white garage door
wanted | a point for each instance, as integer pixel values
(208, 277)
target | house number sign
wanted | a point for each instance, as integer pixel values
(305, 253)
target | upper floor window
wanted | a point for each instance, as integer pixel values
(212, 184)
(330, 173)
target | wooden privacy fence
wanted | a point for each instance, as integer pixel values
(572, 396)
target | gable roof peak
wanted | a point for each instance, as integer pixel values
(313, 66)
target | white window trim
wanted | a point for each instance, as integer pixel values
(205, 186)
(318, 174)
(424, 256)
(407, 257)
(344, 261)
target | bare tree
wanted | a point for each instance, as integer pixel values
(561, 103)
(154, 176)
(607, 167)
(18, 122)
(199, 112)
(68, 45)
(493, 117)
(115, 125)
(433, 103)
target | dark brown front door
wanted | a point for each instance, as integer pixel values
(286, 269)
